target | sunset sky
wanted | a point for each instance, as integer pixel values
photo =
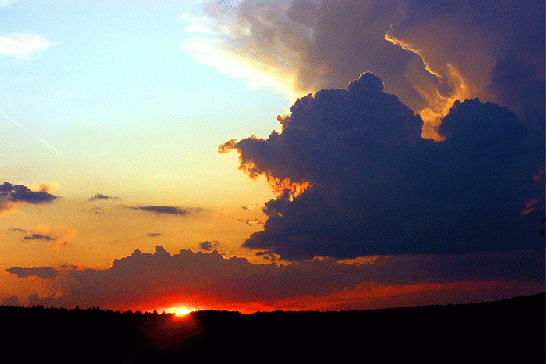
(155, 155)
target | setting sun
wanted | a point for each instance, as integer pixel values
(182, 311)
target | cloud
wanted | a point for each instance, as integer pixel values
(6, 207)
(153, 235)
(7, 2)
(38, 237)
(208, 245)
(60, 235)
(99, 196)
(471, 45)
(373, 186)
(20, 193)
(267, 255)
(170, 210)
(429, 53)
(65, 235)
(210, 280)
(23, 45)
(41, 272)
(253, 205)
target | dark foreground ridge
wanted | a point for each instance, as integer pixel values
(509, 331)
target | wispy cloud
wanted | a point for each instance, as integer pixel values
(170, 210)
(23, 45)
(58, 238)
(100, 196)
(41, 272)
(4, 3)
(38, 237)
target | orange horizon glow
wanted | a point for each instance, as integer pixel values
(364, 296)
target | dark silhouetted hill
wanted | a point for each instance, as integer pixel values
(505, 331)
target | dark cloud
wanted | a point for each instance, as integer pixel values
(20, 193)
(494, 48)
(519, 86)
(153, 235)
(195, 278)
(99, 196)
(41, 272)
(472, 36)
(38, 237)
(170, 210)
(428, 52)
(373, 186)
(208, 245)
(59, 237)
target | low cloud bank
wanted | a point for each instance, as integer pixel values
(212, 281)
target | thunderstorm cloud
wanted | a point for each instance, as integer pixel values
(373, 186)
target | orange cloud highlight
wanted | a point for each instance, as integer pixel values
(7, 207)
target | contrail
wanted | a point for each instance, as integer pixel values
(31, 133)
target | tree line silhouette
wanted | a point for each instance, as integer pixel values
(502, 331)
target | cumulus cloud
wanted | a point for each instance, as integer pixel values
(373, 186)
(169, 210)
(41, 272)
(211, 280)
(23, 45)
(20, 193)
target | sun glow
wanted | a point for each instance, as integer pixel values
(183, 311)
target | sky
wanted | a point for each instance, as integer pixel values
(261, 155)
